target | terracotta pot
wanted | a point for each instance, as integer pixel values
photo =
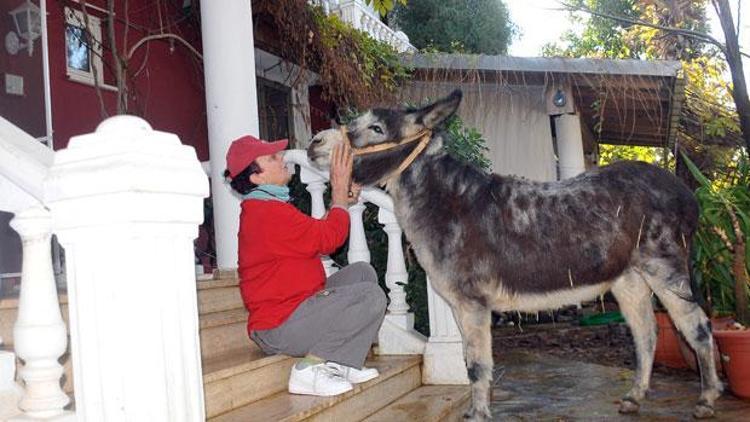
(735, 351)
(717, 323)
(667, 343)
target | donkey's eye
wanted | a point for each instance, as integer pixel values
(376, 128)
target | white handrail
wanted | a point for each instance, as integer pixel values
(375, 196)
(24, 162)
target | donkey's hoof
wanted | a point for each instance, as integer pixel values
(476, 415)
(703, 411)
(629, 405)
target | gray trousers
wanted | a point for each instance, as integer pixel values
(338, 324)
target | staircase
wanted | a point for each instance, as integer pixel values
(242, 384)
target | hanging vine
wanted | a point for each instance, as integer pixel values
(356, 71)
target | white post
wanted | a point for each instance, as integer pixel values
(316, 185)
(395, 275)
(231, 107)
(358, 250)
(397, 335)
(126, 203)
(39, 334)
(569, 145)
(444, 355)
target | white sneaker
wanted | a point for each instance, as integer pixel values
(354, 375)
(318, 380)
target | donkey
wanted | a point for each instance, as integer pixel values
(503, 243)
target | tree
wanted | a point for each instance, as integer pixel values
(469, 26)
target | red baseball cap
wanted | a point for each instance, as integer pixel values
(246, 149)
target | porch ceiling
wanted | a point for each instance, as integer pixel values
(625, 102)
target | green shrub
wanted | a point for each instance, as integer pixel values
(724, 226)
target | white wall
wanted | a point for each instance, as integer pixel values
(512, 119)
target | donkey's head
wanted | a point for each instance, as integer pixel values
(382, 139)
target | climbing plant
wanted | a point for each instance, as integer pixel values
(355, 70)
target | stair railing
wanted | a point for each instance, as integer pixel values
(39, 334)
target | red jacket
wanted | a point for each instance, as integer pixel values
(279, 257)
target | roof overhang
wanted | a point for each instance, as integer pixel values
(625, 102)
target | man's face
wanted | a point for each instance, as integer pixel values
(273, 170)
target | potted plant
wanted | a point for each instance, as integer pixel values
(667, 350)
(722, 259)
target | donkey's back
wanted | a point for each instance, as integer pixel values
(585, 230)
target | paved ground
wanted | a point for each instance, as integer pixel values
(542, 387)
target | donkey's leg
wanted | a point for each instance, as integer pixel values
(474, 321)
(669, 279)
(634, 297)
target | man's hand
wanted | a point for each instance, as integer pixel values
(342, 160)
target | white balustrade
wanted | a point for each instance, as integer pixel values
(397, 335)
(364, 18)
(39, 333)
(126, 202)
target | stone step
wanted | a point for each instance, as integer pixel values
(214, 295)
(398, 376)
(218, 295)
(429, 403)
(223, 332)
(234, 379)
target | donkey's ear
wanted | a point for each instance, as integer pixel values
(436, 113)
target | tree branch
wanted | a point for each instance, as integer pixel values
(163, 36)
(686, 32)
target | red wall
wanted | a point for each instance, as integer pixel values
(168, 92)
(27, 111)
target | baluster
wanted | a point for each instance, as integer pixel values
(10, 392)
(316, 190)
(316, 186)
(443, 359)
(39, 333)
(358, 250)
(396, 275)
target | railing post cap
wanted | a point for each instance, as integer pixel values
(123, 123)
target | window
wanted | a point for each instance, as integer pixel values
(84, 61)
(274, 109)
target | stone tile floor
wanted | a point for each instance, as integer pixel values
(541, 387)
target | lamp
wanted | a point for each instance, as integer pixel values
(559, 99)
(28, 21)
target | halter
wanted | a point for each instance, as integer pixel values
(423, 136)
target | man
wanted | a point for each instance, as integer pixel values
(293, 308)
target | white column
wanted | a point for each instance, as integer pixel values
(231, 107)
(39, 334)
(569, 145)
(358, 250)
(126, 203)
(444, 355)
